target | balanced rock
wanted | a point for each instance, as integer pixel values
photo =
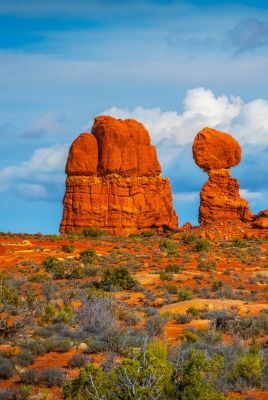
(216, 152)
(114, 182)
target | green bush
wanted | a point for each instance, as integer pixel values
(183, 318)
(88, 256)
(241, 243)
(249, 367)
(168, 246)
(217, 285)
(50, 263)
(165, 276)
(202, 245)
(173, 268)
(94, 233)
(49, 314)
(117, 279)
(198, 374)
(206, 264)
(185, 294)
(189, 336)
(193, 311)
(68, 248)
(143, 375)
(38, 278)
(189, 239)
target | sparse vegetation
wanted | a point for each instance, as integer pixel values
(113, 300)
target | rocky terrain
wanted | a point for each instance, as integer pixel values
(73, 300)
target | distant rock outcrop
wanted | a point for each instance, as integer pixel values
(114, 182)
(216, 152)
(261, 220)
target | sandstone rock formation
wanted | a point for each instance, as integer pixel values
(114, 182)
(261, 220)
(216, 152)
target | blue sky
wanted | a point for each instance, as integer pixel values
(176, 66)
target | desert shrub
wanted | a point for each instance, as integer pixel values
(77, 361)
(185, 294)
(25, 358)
(55, 267)
(52, 377)
(11, 393)
(93, 233)
(183, 318)
(68, 248)
(173, 268)
(30, 377)
(202, 245)
(50, 263)
(206, 264)
(249, 367)
(193, 311)
(189, 239)
(58, 344)
(198, 373)
(65, 315)
(168, 246)
(241, 243)
(88, 256)
(144, 375)
(90, 271)
(9, 293)
(6, 369)
(165, 276)
(155, 325)
(49, 313)
(189, 336)
(117, 279)
(217, 285)
(226, 292)
(198, 277)
(134, 236)
(147, 233)
(38, 277)
(48, 290)
(36, 347)
(172, 289)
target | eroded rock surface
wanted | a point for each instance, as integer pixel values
(216, 152)
(261, 220)
(114, 182)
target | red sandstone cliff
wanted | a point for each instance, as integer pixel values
(216, 152)
(114, 182)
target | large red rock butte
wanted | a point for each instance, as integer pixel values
(114, 182)
(216, 152)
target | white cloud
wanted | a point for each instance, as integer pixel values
(39, 177)
(247, 122)
(247, 194)
(186, 196)
(32, 191)
(48, 123)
